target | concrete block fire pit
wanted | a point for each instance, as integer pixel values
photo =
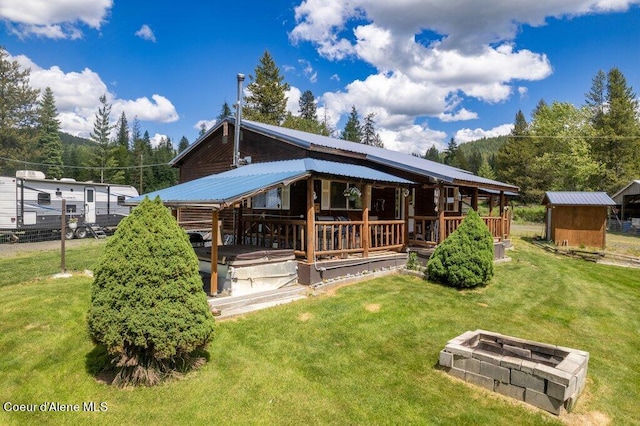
(546, 376)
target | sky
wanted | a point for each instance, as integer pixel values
(430, 70)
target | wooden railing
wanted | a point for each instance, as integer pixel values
(276, 233)
(426, 228)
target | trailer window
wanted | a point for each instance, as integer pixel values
(71, 208)
(121, 200)
(44, 198)
(89, 195)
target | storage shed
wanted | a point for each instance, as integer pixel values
(577, 218)
(628, 201)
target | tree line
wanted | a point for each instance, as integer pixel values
(30, 138)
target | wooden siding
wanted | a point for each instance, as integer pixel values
(579, 225)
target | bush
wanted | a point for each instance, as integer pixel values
(412, 261)
(147, 304)
(465, 259)
(529, 214)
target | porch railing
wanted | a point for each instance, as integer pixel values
(276, 233)
(344, 237)
(426, 228)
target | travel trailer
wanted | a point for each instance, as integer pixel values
(31, 206)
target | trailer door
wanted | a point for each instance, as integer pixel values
(89, 204)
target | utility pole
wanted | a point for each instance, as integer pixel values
(140, 190)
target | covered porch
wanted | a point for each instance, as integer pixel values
(334, 219)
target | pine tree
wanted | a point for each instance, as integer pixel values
(101, 136)
(18, 114)
(49, 137)
(225, 111)
(308, 109)
(183, 144)
(121, 152)
(203, 129)
(486, 171)
(369, 135)
(352, 129)
(267, 101)
(433, 154)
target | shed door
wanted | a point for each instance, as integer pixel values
(89, 204)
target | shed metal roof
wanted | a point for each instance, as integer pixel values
(633, 188)
(220, 190)
(575, 198)
(401, 161)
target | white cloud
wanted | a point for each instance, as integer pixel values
(308, 70)
(293, 100)
(146, 33)
(156, 139)
(53, 18)
(467, 135)
(431, 56)
(77, 96)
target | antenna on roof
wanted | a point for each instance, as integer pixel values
(236, 139)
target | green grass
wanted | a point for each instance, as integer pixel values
(364, 355)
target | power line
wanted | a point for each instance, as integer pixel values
(30, 163)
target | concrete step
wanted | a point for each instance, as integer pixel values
(237, 305)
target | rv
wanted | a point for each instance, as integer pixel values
(31, 206)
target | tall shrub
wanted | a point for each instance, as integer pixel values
(147, 304)
(465, 259)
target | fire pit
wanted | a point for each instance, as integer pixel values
(546, 376)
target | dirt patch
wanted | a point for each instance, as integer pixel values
(305, 316)
(484, 305)
(592, 418)
(373, 307)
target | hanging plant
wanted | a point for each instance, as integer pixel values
(352, 193)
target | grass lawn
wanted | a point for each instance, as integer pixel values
(362, 354)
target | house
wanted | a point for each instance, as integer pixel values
(577, 218)
(340, 207)
(628, 206)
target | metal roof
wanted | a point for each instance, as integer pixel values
(575, 198)
(223, 189)
(633, 188)
(398, 160)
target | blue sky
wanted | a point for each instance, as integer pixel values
(429, 69)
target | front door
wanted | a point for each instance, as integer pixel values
(89, 204)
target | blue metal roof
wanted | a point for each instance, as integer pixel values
(575, 198)
(222, 189)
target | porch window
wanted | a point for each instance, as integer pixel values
(333, 196)
(452, 195)
(273, 199)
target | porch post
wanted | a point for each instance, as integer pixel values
(214, 253)
(441, 205)
(502, 218)
(490, 205)
(474, 200)
(405, 234)
(366, 195)
(311, 223)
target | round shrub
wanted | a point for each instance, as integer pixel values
(148, 307)
(465, 259)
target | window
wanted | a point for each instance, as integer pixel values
(121, 200)
(273, 199)
(333, 196)
(44, 198)
(89, 195)
(452, 198)
(71, 208)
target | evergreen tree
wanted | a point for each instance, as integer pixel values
(203, 129)
(475, 162)
(122, 132)
(49, 137)
(307, 103)
(454, 157)
(121, 152)
(163, 174)
(486, 171)
(147, 305)
(352, 129)
(183, 144)
(101, 136)
(267, 101)
(433, 154)
(225, 111)
(616, 143)
(369, 135)
(18, 114)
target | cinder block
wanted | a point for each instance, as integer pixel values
(559, 391)
(477, 379)
(467, 364)
(459, 350)
(553, 374)
(568, 366)
(528, 366)
(446, 359)
(542, 348)
(543, 401)
(511, 362)
(456, 372)
(509, 390)
(495, 371)
(519, 352)
(487, 356)
(529, 381)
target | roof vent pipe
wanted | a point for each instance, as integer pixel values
(236, 138)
